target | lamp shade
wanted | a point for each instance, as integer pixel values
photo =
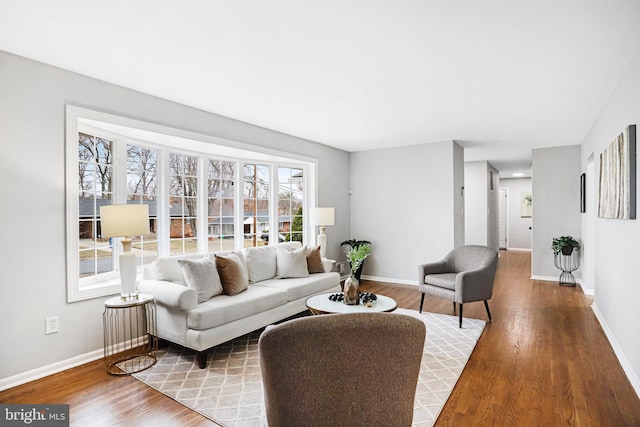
(322, 216)
(124, 220)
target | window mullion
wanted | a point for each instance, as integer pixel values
(163, 202)
(119, 190)
(238, 229)
(203, 214)
(274, 220)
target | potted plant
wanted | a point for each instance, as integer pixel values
(564, 245)
(347, 245)
(356, 256)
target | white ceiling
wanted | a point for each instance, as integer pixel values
(499, 76)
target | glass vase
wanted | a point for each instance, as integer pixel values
(351, 290)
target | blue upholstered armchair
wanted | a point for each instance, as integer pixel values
(465, 275)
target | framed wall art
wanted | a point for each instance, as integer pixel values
(617, 183)
(526, 203)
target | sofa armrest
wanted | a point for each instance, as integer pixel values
(170, 294)
(327, 264)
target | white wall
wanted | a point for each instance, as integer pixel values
(556, 204)
(32, 173)
(481, 204)
(616, 249)
(518, 232)
(405, 203)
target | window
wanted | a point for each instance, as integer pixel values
(183, 204)
(256, 204)
(95, 178)
(290, 202)
(204, 195)
(142, 187)
(220, 206)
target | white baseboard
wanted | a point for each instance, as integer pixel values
(626, 366)
(545, 278)
(519, 249)
(556, 279)
(390, 280)
(54, 368)
(63, 365)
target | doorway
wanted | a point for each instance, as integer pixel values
(502, 218)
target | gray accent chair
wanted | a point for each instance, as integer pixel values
(358, 369)
(465, 275)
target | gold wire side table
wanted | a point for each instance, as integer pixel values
(130, 341)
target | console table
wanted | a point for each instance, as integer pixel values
(130, 340)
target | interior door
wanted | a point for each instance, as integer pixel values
(502, 219)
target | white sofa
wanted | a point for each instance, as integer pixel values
(182, 319)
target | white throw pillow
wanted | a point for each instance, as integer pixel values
(261, 263)
(291, 263)
(167, 268)
(201, 275)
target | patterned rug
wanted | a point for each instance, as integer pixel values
(229, 390)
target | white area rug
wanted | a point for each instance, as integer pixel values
(229, 390)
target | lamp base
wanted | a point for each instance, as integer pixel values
(128, 276)
(322, 242)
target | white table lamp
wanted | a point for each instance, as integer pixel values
(322, 217)
(124, 221)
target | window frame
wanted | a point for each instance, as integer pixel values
(169, 141)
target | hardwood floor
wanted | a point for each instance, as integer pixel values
(543, 361)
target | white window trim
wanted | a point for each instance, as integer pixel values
(189, 143)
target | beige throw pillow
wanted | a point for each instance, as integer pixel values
(314, 260)
(291, 263)
(232, 273)
(201, 275)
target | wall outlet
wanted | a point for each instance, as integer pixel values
(51, 325)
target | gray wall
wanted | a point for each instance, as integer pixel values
(616, 252)
(404, 201)
(32, 173)
(518, 233)
(556, 204)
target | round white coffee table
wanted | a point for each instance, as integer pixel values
(321, 304)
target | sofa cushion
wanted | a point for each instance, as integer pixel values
(223, 309)
(302, 287)
(233, 273)
(314, 260)
(291, 263)
(202, 276)
(443, 280)
(261, 263)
